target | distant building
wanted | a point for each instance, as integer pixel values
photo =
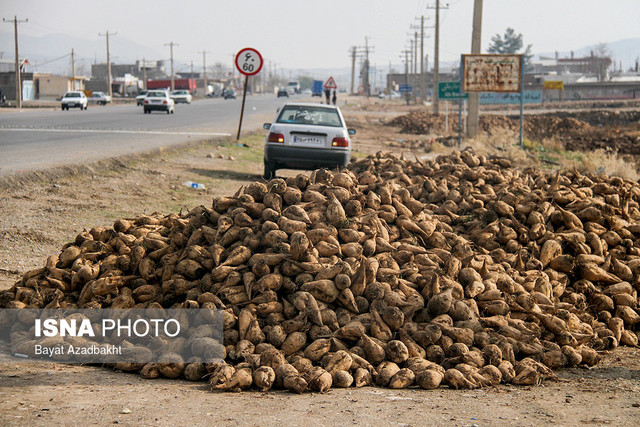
(592, 65)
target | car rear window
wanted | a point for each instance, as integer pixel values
(156, 94)
(318, 116)
(72, 95)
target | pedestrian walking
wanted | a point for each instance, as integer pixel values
(327, 95)
(335, 97)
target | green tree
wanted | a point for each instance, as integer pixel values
(508, 44)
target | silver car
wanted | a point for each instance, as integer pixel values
(307, 136)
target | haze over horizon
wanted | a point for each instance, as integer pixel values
(320, 34)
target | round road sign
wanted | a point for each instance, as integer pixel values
(249, 61)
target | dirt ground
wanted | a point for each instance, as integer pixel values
(39, 212)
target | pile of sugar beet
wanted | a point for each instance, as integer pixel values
(461, 271)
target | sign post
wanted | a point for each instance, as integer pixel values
(248, 62)
(493, 73)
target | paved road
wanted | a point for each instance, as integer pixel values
(34, 139)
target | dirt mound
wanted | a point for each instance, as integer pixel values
(616, 131)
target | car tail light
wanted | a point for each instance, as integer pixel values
(276, 137)
(340, 142)
(146, 101)
(165, 102)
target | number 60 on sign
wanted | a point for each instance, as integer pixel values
(249, 61)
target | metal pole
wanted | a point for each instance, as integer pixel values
(422, 59)
(460, 107)
(521, 100)
(436, 63)
(244, 96)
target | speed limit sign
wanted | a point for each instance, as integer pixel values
(249, 61)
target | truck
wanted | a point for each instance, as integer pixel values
(316, 89)
(184, 84)
(293, 88)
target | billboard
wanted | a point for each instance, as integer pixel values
(491, 73)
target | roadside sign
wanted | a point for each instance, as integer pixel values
(405, 88)
(491, 73)
(554, 85)
(450, 91)
(330, 84)
(528, 97)
(249, 61)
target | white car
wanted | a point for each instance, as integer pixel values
(181, 96)
(141, 96)
(307, 136)
(74, 99)
(100, 98)
(158, 100)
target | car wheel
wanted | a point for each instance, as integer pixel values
(269, 170)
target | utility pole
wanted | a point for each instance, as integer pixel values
(406, 72)
(421, 81)
(353, 66)
(73, 68)
(415, 52)
(171, 44)
(436, 57)
(367, 86)
(422, 59)
(204, 71)
(18, 76)
(108, 63)
(144, 74)
(472, 119)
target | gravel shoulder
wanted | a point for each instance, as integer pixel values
(41, 212)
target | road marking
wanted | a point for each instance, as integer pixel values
(143, 132)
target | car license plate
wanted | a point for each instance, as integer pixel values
(155, 101)
(308, 140)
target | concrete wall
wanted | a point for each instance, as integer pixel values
(53, 86)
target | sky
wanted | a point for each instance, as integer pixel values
(306, 34)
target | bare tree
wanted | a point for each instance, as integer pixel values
(603, 61)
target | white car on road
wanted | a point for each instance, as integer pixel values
(74, 99)
(181, 96)
(307, 136)
(158, 100)
(100, 98)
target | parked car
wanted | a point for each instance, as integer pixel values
(283, 93)
(158, 100)
(306, 136)
(181, 96)
(229, 94)
(392, 95)
(307, 92)
(74, 99)
(99, 98)
(140, 97)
